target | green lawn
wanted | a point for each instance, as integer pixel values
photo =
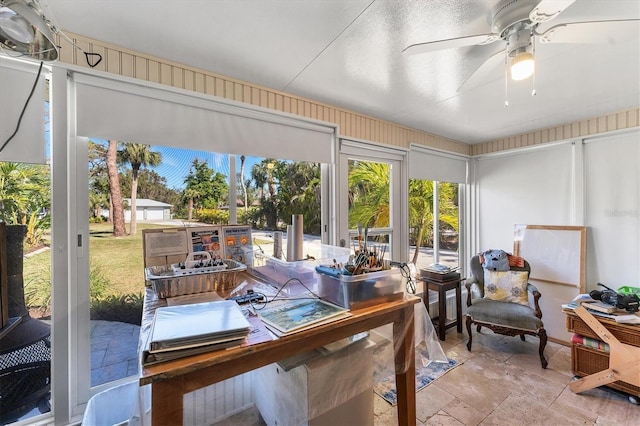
(119, 260)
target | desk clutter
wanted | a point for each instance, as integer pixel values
(184, 330)
(193, 270)
(620, 305)
(439, 272)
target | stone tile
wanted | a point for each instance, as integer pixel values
(600, 405)
(108, 373)
(533, 382)
(491, 344)
(96, 358)
(459, 352)
(464, 413)
(469, 384)
(115, 358)
(123, 344)
(520, 408)
(388, 418)
(99, 344)
(556, 372)
(106, 328)
(380, 405)
(133, 367)
(560, 362)
(443, 419)
(431, 400)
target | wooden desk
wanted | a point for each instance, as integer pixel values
(442, 287)
(171, 380)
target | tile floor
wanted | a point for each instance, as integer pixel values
(114, 351)
(500, 382)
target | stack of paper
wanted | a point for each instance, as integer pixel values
(291, 316)
(185, 330)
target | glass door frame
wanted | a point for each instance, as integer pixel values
(398, 230)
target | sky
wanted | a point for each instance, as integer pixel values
(176, 163)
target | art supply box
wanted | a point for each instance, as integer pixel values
(356, 291)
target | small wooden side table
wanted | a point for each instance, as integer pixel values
(442, 287)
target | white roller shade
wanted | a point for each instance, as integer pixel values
(434, 165)
(16, 81)
(157, 116)
(612, 208)
(528, 187)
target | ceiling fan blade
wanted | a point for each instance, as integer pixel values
(432, 46)
(589, 31)
(485, 73)
(548, 9)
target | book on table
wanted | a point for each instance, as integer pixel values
(599, 306)
(182, 327)
(293, 315)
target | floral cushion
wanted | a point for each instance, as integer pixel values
(507, 286)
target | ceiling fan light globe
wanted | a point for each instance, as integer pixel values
(15, 26)
(522, 66)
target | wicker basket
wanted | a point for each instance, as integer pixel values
(166, 283)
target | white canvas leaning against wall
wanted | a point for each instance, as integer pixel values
(556, 253)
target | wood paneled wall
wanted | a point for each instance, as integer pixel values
(617, 121)
(121, 61)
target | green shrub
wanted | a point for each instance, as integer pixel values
(37, 292)
(219, 217)
(98, 283)
(125, 308)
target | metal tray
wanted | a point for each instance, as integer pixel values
(166, 283)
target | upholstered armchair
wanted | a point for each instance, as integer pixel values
(496, 309)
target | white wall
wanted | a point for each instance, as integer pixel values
(150, 214)
(593, 183)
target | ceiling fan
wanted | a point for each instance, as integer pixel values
(514, 24)
(25, 32)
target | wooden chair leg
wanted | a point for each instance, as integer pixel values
(542, 333)
(469, 322)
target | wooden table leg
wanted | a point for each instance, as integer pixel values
(442, 312)
(166, 402)
(405, 366)
(459, 308)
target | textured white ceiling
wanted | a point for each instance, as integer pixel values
(348, 53)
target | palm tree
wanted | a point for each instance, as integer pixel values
(114, 189)
(243, 183)
(18, 185)
(369, 194)
(421, 210)
(96, 202)
(190, 194)
(138, 155)
(24, 196)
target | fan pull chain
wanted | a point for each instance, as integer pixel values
(506, 76)
(533, 77)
